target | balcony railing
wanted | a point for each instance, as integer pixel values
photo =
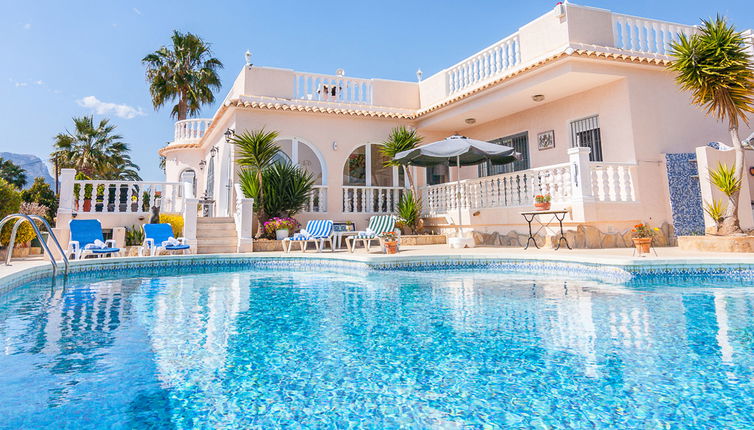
(317, 200)
(329, 88)
(189, 130)
(613, 182)
(507, 189)
(646, 35)
(610, 182)
(484, 65)
(360, 199)
(124, 197)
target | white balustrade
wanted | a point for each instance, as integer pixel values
(360, 199)
(646, 35)
(613, 182)
(484, 65)
(191, 129)
(329, 88)
(504, 190)
(117, 197)
(317, 200)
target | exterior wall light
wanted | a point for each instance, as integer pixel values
(340, 72)
(334, 145)
(202, 163)
(751, 171)
(229, 133)
(248, 58)
(419, 74)
(538, 97)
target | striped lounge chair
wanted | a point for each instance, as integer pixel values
(157, 237)
(317, 231)
(87, 239)
(378, 225)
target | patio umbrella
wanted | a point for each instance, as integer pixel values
(461, 151)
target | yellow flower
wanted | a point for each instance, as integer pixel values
(657, 229)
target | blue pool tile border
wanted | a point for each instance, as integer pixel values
(615, 273)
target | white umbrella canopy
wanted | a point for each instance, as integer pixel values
(461, 151)
(458, 150)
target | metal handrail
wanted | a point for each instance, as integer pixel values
(30, 219)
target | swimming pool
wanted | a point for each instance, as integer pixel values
(229, 348)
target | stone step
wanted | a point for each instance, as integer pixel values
(215, 220)
(215, 249)
(217, 228)
(217, 241)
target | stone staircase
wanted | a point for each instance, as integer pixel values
(216, 236)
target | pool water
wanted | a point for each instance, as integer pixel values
(445, 349)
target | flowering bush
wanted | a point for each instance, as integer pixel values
(389, 236)
(280, 223)
(542, 198)
(643, 231)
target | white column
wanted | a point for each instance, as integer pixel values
(190, 215)
(245, 234)
(581, 182)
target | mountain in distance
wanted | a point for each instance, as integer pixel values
(33, 165)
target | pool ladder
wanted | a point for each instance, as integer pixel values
(30, 219)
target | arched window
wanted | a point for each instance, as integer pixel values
(299, 152)
(368, 185)
(188, 176)
(366, 167)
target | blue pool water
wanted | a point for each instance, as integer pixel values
(446, 349)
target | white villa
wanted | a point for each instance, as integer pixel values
(582, 93)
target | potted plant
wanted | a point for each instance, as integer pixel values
(391, 242)
(542, 202)
(642, 236)
(134, 239)
(282, 227)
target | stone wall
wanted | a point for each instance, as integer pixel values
(585, 236)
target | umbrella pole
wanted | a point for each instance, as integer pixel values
(458, 194)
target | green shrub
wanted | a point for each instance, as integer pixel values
(134, 236)
(286, 188)
(410, 211)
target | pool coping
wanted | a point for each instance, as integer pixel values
(612, 269)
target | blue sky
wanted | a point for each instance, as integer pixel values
(68, 58)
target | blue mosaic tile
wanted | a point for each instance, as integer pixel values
(685, 194)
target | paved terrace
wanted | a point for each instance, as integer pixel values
(608, 257)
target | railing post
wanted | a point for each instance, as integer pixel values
(65, 199)
(581, 182)
(190, 215)
(245, 232)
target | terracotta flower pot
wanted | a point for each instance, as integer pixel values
(544, 206)
(391, 247)
(642, 244)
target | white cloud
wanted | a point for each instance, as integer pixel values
(27, 26)
(103, 108)
(21, 84)
(136, 11)
(39, 82)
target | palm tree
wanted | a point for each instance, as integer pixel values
(94, 150)
(13, 173)
(714, 66)
(400, 139)
(257, 151)
(185, 71)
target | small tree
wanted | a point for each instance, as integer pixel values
(400, 139)
(13, 173)
(714, 66)
(40, 192)
(257, 151)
